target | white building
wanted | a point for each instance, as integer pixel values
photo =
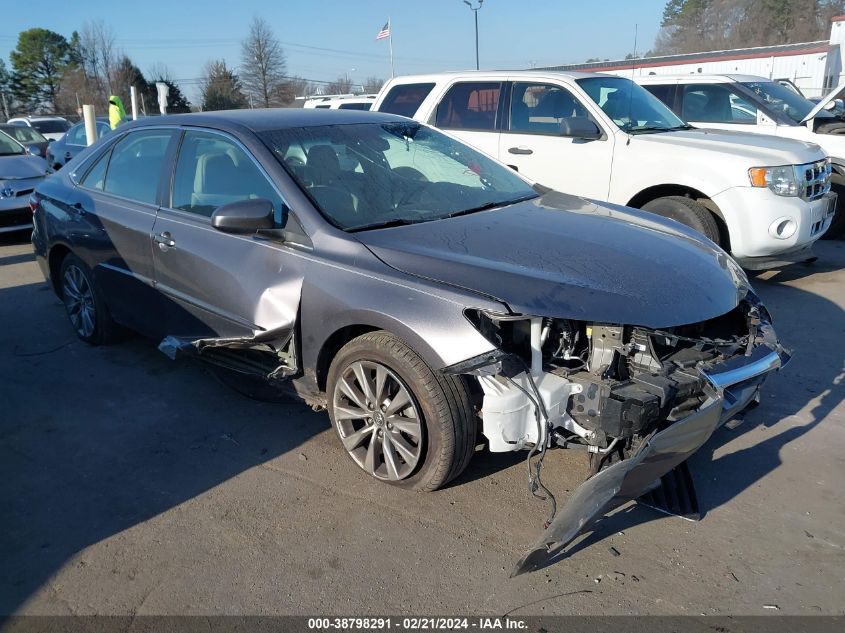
(815, 67)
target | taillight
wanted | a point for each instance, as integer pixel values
(34, 201)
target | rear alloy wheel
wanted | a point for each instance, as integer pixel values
(399, 420)
(686, 211)
(85, 307)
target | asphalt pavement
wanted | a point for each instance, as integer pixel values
(133, 484)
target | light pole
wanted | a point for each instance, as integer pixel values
(475, 12)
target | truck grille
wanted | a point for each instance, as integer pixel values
(814, 179)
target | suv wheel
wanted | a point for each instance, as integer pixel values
(399, 420)
(89, 316)
(688, 212)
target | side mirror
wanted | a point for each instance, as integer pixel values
(244, 216)
(50, 140)
(579, 127)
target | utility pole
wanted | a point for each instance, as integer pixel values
(475, 12)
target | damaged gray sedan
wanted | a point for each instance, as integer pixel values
(424, 294)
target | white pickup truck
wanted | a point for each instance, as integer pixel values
(764, 199)
(755, 104)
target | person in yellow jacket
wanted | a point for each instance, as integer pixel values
(117, 114)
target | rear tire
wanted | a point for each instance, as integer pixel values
(688, 212)
(380, 437)
(84, 303)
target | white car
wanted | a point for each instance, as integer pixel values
(50, 127)
(341, 102)
(755, 104)
(764, 199)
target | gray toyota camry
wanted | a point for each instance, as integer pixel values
(427, 296)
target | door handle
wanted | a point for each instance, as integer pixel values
(164, 241)
(520, 150)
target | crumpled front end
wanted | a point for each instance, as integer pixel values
(638, 400)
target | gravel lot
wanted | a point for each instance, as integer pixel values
(135, 485)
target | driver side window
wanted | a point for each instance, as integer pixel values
(540, 108)
(212, 170)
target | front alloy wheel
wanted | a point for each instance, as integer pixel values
(400, 420)
(377, 420)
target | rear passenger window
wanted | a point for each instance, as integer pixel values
(405, 99)
(540, 108)
(212, 170)
(469, 106)
(134, 170)
(96, 176)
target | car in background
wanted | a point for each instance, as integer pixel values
(74, 141)
(748, 103)
(20, 173)
(29, 137)
(51, 127)
(415, 290)
(341, 102)
(603, 137)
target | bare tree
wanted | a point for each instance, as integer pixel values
(262, 64)
(98, 55)
(373, 84)
(340, 86)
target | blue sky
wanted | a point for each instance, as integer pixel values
(324, 39)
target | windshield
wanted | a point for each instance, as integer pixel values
(23, 134)
(632, 108)
(51, 126)
(782, 99)
(371, 175)
(9, 146)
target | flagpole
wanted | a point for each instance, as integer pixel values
(390, 41)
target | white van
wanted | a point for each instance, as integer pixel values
(755, 104)
(764, 199)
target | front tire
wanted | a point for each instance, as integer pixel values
(86, 309)
(399, 420)
(688, 212)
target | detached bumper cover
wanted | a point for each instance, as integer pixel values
(729, 390)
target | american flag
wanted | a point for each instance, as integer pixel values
(385, 31)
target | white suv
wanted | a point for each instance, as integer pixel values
(755, 104)
(50, 127)
(764, 199)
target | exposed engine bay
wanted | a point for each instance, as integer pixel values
(600, 384)
(638, 400)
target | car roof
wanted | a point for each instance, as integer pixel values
(699, 77)
(38, 117)
(263, 119)
(496, 74)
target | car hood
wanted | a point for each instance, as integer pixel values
(566, 257)
(759, 149)
(22, 166)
